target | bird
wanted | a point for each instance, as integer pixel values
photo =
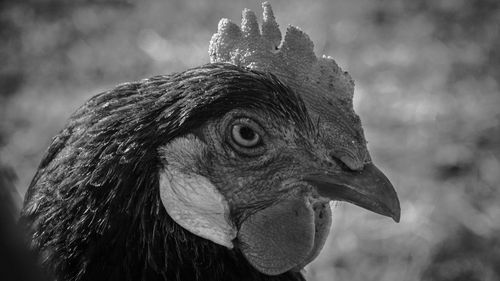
(219, 172)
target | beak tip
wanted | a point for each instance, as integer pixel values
(395, 212)
(396, 217)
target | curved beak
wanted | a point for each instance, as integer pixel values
(368, 188)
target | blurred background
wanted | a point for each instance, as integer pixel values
(427, 78)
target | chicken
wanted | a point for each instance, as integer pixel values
(220, 172)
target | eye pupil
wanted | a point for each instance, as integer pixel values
(247, 133)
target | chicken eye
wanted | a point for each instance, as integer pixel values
(245, 136)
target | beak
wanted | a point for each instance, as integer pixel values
(368, 188)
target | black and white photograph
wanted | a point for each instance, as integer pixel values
(171, 140)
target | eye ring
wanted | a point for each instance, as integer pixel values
(245, 136)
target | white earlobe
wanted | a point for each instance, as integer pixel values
(195, 204)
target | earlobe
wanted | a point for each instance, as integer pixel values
(195, 204)
(191, 199)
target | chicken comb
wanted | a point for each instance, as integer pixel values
(325, 88)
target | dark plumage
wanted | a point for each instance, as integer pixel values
(93, 208)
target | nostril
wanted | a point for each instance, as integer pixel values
(335, 161)
(343, 165)
(346, 162)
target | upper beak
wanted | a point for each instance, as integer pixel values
(368, 188)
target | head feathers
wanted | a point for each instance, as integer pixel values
(94, 210)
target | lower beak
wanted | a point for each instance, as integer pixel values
(368, 188)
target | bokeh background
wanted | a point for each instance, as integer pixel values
(427, 78)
